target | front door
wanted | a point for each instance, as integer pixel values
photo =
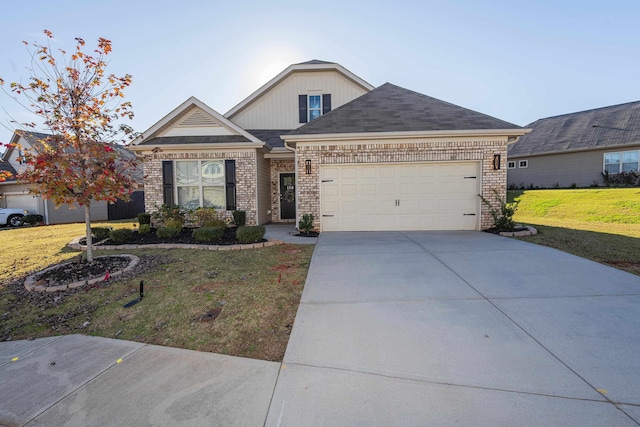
(288, 196)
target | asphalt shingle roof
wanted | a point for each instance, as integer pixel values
(612, 126)
(270, 136)
(390, 108)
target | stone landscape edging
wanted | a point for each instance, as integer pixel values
(31, 283)
(530, 231)
(75, 244)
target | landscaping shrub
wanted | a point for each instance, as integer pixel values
(144, 229)
(173, 223)
(168, 232)
(100, 233)
(165, 213)
(144, 218)
(208, 234)
(250, 233)
(32, 219)
(239, 217)
(503, 218)
(305, 225)
(121, 235)
(206, 217)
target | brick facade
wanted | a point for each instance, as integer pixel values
(246, 180)
(481, 150)
(279, 166)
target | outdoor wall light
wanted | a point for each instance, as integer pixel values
(307, 167)
(496, 162)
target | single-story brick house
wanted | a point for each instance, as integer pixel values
(574, 150)
(318, 139)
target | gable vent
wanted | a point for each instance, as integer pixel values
(198, 119)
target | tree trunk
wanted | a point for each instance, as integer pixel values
(87, 221)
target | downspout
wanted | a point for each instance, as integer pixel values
(46, 211)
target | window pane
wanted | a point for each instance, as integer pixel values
(187, 173)
(611, 158)
(630, 161)
(213, 173)
(314, 114)
(314, 101)
(612, 168)
(188, 197)
(213, 196)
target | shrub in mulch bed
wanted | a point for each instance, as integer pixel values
(184, 237)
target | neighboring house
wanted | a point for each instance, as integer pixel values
(318, 139)
(16, 195)
(574, 150)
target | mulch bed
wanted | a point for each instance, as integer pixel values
(74, 271)
(185, 237)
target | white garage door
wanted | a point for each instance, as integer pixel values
(22, 201)
(421, 196)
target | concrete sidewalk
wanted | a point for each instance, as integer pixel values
(459, 328)
(79, 380)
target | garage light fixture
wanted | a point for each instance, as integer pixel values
(496, 162)
(307, 167)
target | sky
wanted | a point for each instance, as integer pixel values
(515, 60)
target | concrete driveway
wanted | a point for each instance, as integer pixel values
(422, 328)
(459, 328)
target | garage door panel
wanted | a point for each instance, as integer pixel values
(424, 196)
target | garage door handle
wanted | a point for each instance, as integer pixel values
(328, 215)
(327, 180)
(470, 177)
(469, 214)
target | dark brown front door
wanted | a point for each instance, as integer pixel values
(288, 196)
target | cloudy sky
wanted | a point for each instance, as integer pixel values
(512, 59)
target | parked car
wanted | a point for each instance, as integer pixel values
(12, 217)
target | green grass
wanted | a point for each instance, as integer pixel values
(29, 249)
(258, 290)
(599, 224)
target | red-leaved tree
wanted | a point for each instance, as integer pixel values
(80, 107)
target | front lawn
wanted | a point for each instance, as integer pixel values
(599, 224)
(256, 293)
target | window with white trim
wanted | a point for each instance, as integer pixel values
(622, 161)
(200, 183)
(315, 107)
(523, 164)
(511, 164)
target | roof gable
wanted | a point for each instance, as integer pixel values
(194, 122)
(390, 108)
(309, 66)
(600, 128)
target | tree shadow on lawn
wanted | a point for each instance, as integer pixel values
(615, 250)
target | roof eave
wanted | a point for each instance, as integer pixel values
(196, 147)
(579, 150)
(292, 138)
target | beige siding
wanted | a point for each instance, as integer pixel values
(264, 198)
(64, 214)
(561, 170)
(196, 123)
(278, 107)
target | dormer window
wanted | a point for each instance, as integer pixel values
(313, 106)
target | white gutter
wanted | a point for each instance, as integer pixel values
(403, 135)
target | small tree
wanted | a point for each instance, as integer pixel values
(79, 106)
